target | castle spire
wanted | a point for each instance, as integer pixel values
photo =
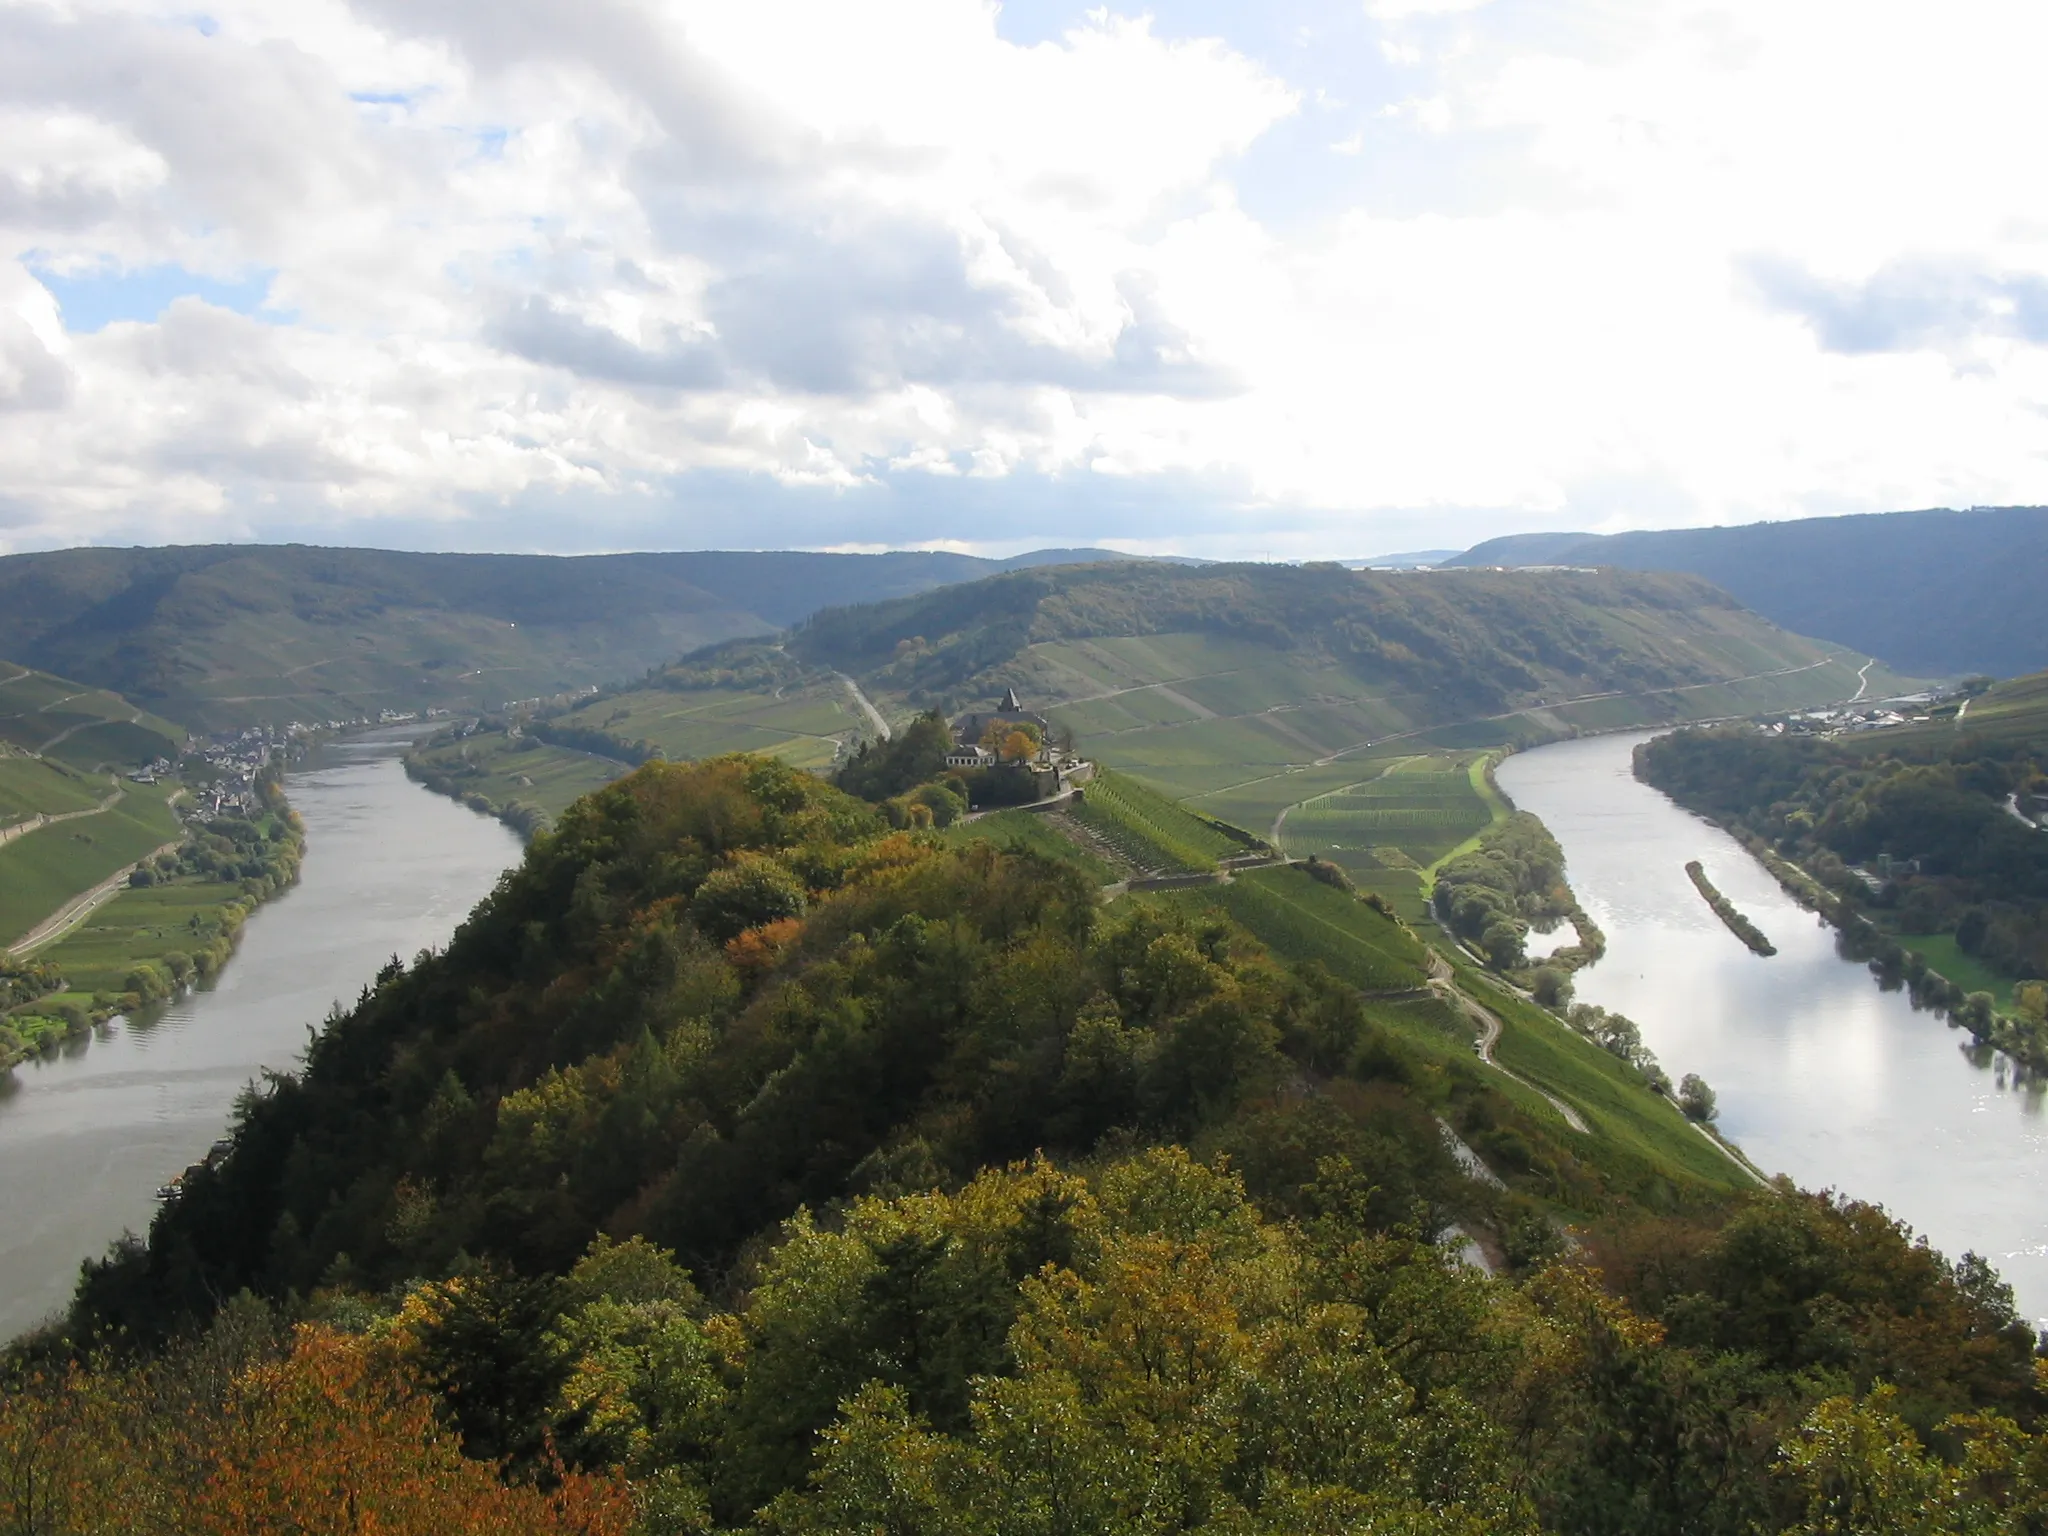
(1010, 703)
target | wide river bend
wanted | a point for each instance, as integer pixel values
(1821, 1075)
(87, 1137)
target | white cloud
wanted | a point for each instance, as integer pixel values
(1591, 262)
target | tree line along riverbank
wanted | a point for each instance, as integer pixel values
(1907, 849)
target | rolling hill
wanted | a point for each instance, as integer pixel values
(218, 636)
(1935, 593)
(743, 1164)
(1347, 714)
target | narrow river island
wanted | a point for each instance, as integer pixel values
(88, 1136)
(1821, 1075)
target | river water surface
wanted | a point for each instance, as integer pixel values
(86, 1138)
(1820, 1074)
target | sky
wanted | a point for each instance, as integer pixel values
(1296, 279)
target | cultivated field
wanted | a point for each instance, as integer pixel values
(1036, 831)
(43, 869)
(504, 770)
(135, 926)
(79, 725)
(1307, 920)
(1148, 830)
(32, 786)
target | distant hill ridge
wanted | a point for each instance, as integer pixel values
(221, 635)
(1934, 593)
(1453, 642)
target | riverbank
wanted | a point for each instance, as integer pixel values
(165, 923)
(89, 1132)
(1819, 1074)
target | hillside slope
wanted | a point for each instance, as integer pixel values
(1935, 593)
(1250, 688)
(225, 635)
(808, 1177)
(1429, 647)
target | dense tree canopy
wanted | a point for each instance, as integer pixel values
(746, 1163)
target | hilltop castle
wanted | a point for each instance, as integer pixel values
(969, 729)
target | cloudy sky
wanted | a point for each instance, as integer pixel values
(1296, 278)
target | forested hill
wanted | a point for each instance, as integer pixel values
(1933, 594)
(215, 635)
(1448, 644)
(743, 1165)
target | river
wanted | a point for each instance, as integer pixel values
(1820, 1074)
(87, 1137)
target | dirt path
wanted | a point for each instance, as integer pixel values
(867, 706)
(1444, 980)
(82, 906)
(1862, 681)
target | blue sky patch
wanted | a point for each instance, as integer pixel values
(92, 302)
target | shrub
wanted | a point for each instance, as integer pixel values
(752, 890)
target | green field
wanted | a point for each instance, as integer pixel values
(1606, 1092)
(1423, 806)
(1966, 971)
(506, 771)
(803, 727)
(1368, 777)
(98, 954)
(42, 870)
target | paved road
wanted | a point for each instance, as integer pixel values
(80, 907)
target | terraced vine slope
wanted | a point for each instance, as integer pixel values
(1269, 697)
(75, 724)
(1344, 714)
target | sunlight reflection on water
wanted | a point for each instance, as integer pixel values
(1820, 1073)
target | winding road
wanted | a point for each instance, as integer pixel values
(1444, 980)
